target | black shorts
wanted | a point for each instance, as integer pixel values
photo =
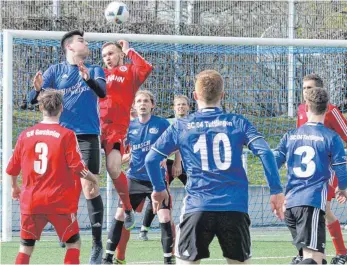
(197, 230)
(307, 226)
(90, 148)
(139, 190)
(182, 177)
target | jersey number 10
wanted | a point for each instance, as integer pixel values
(201, 146)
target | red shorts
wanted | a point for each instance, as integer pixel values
(32, 225)
(331, 187)
(110, 136)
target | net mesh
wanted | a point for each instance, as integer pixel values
(256, 84)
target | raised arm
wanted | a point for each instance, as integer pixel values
(41, 81)
(96, 81)
(141, 68)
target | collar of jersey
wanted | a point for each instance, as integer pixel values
(47, 122)
(67, 63)
(210, 109)
(314, 123)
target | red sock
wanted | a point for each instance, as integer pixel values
(173, 228)
(121, 185)
(22, 258)
(72, 256)
(122, 245)
(336, 235)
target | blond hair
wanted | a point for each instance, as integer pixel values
(177, 97)
(51, 102)
(147, 93)
(209, 85)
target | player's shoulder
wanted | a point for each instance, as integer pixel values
(332, 111)
(159, 120)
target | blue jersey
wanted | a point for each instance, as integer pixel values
(310, 151)
(141, 136)
(81, 108)
(211, 145)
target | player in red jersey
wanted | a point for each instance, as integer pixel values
(49, 158)
(122, 83)
(337, 122)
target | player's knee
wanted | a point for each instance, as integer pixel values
(164, 216)
(28, 242)
(119, 214)
(114, 171)
(330, 216)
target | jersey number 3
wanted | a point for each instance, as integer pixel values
(40, 166)
(306, 160)
(201, 146)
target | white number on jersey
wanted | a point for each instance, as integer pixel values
(201, 146)
(306, 160)
(40, 166)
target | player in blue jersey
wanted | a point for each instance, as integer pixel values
(311, 151)
(174, 167)
(211, 144)
(81, 85)
(142, 134)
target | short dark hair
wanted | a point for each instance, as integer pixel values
(316, 78)
(51, 101)
(68, 37)
(317, 100)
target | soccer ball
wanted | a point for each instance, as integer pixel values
(117, 12)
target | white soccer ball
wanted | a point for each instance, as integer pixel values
(117, 12)
(346, 227)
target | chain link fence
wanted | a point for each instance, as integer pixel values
(313, 19)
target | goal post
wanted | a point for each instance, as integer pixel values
(274, 60)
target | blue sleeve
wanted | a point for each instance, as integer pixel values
(33, 95)
(338, 162)
(99, 73)
(167, 142)
(48, 77)
(165, 145)
(281, 151)
(251, 132)
(152, 163)
(48, 82)
(260, 148)
(97, 81)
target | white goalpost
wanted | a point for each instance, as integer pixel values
(231, 47)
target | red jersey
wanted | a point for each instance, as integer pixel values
(49, 157)
(122, 83)
(333, 120)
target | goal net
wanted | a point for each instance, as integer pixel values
(263, 80)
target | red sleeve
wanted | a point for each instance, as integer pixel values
(337, 122)
(73, 155)
(14, 165)
(141, 68)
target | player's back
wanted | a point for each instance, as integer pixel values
(48, 184)
(309, 151)
(211, 144)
